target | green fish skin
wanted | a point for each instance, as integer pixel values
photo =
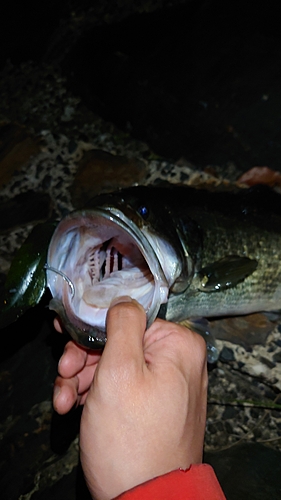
(234, 238)
(181, 252)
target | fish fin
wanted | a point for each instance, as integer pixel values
(203, 327)
(26, 280)
(245, 330)
(224, 273)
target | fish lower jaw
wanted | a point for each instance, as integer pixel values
(94, 304)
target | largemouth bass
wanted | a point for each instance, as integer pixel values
(181, 252)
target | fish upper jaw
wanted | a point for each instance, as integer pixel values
(97, 255)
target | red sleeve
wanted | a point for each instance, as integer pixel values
(199, 482)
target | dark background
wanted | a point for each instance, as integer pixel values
(199, 80)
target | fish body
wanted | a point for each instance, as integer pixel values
(181, 252)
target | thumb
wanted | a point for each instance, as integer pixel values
(125, 325)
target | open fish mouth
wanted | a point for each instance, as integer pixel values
(96, 256)
(204, 254)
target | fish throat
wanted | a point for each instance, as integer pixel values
(103, 261)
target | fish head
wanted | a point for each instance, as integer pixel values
(108, 250)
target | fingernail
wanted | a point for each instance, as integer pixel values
(119, 300)
(60, 360)
(56, 392)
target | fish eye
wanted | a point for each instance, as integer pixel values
(143, 211)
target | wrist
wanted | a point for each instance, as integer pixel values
(110, 481)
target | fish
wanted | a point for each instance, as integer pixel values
(184, 253)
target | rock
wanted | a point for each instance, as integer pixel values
(99, 171)
(277, 357)
(227, 354)
(17, 145)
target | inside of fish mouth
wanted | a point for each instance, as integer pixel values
(101, 262)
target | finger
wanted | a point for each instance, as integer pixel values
(165, 341)
(126, 324)
(57, 325)
(157, 331)
(85, 378)
(72, 361)
(65, 394)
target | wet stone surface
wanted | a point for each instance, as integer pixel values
(58, 138)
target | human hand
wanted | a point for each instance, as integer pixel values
(76, 370)
(145, 410)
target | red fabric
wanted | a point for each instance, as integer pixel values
(199, 482)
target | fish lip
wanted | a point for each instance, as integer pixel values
(117, 217)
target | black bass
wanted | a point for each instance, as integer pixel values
(179, 251)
